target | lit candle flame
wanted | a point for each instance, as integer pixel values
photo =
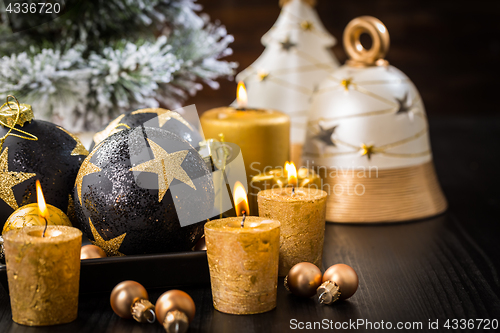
(291, 172)
(241, 95)
(240, 199)
(42, 207)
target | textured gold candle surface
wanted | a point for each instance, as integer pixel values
(30, 215)
(43, 274)
(262, 135)
(302, 218)
(243, 264)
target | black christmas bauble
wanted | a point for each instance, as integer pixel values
(54, 159)
(154, 117)
(137, 187)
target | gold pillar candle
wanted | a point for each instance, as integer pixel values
(296, 153)
(43, 274)
(243, 263)
(278, 178)
(301, 212)
(263, 136)
(30, 215)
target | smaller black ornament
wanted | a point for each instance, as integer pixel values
(41, 150)
(143, 190)
(155, 118)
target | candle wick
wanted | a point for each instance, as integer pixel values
(45, 229)
(243, 220)
(293, 190)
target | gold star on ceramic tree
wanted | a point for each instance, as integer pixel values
(287, 44)
(166, 166)
(164, 116)
(9, 179)
(263, 76)
(86, 169)
(346, 83)
(111, 246)
(367, 150)
(79, 148)
(306, 25)
(325, 135)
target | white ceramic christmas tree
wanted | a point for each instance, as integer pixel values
(296, 59)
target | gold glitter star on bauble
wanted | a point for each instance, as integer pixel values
(9, 179)
(164, 116)
(166, 166)
(86, 169)
(367, 150)
(79, 148)
(287, 45)
(325, 135)
(111, 246)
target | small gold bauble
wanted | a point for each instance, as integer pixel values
(30, 215)
(92, 252)
(124, 295)
(345, 277)
(175, 310)
(303, 279)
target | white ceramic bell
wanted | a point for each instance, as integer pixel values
(368, 136)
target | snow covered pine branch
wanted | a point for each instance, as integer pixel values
(105, 57)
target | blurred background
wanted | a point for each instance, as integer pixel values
(449, 49)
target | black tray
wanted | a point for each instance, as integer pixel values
(152, 271)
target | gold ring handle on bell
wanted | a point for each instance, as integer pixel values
(359, 55)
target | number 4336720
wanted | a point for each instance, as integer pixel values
(484, 324)
(40, 8)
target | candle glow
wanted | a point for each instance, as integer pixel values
(42, 207)
(240, 199)
(291, 171)
(241, 95)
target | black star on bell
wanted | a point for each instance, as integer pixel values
(404, 104)
(325, 135)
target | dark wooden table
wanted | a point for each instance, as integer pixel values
(437, 269)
